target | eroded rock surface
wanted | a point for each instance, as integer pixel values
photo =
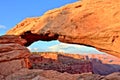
(35, 74)
(101, 64)
(94, 23)
(70, 63)
(14, 64)
(12, 39)
(13, 56)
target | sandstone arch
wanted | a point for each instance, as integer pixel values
(93, 23)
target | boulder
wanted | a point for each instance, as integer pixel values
(94, 23)
(13, 55)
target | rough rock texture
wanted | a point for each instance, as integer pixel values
(70, 63)
(94, 23)
(102, 64)
(114, 76)
(12, 39)
(105, 58)
(90, 77)
(35, 74)
(104, 69)
(14, 62)
(25, 74)
(13, 56)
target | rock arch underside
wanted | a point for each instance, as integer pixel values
(93, 23)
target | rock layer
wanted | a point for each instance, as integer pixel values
(14, 64)
(76, 64)
(93, 23)
(12, 39)
(70, 63)
(13, 56)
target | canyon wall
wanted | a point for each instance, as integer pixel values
(70, 63)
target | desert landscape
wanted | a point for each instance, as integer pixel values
(18, 63)
(93, 23)
(102, 64)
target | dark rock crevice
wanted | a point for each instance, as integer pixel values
(30, 38)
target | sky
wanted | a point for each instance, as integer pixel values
(13, 12)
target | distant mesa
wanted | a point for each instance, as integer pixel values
(74, 63)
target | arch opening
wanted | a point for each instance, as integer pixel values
(49, 36)
(56, 46)
(55, 55)
(30, 38)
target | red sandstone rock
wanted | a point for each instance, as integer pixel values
(12, 39)
(71, 63)
(88, 76)
(12, 51)
(104, 64)
(9, 67)
(106, 58)
(25, 74)
(114, 76)
(89, 22)
(74, 63)
(13, 56)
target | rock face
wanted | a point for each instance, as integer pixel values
(104, 64)
(70, 63)
(35, 74)
(76, 64)
(14, 64)
(13, 56)
(12, 39)
(93, 23)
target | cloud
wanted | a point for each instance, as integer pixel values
(36, 49)
(72, 48)
(2, 27)
(63, 47)
(29, 48)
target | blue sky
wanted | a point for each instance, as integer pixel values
(12, 12)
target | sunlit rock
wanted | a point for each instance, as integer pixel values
(93, 23)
